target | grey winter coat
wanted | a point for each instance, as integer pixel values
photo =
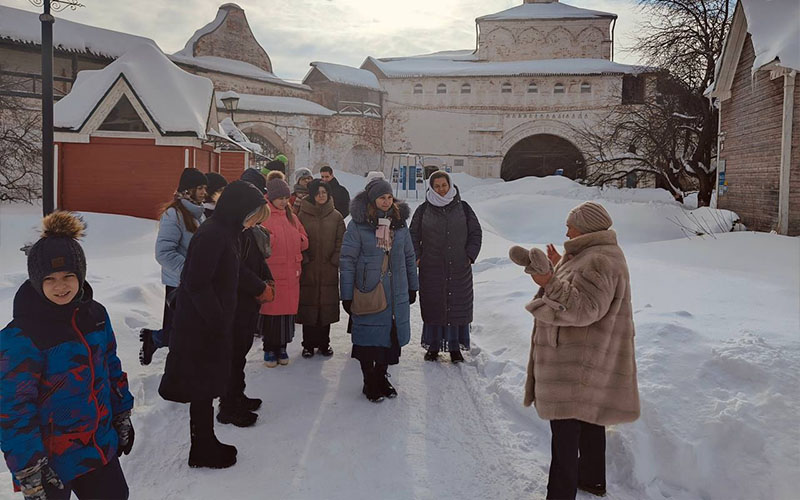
(172, 242)
(447, 241)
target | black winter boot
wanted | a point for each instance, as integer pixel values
(249, 404)
(148, 346)
(236, 415)
(382, 380)
(456, 357)
(206, 451)
(372, 388)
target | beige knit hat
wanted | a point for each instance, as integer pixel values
(589, 217)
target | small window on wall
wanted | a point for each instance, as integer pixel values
(418, 88)
(505, 88)
(532, 88)
(466, 88)
(123, 118)
(458, 163)
(586, 88)
(441, 88)
(558, 88)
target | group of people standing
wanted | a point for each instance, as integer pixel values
(238, 260)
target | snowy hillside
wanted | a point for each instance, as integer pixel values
(718, 346)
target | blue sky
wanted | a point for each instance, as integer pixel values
(296, 32)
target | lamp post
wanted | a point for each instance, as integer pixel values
(47, 20)
(231, 102)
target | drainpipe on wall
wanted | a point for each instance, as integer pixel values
(786, 152)
(720, 142)
(613, 26)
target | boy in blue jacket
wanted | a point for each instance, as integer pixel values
(66, 407)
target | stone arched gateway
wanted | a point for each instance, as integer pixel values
(264, 135)
(540, 149)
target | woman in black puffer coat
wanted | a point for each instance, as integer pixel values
(201, 344)
(447, 239)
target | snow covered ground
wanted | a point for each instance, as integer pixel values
(718, 346)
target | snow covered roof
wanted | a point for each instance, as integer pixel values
(178, 102)
(188, 49)
(229, 130)
(465, 63)
(347, 75)
(233, 67)
(24, 26)
(276, 104)
(545, 10)
(774, 27)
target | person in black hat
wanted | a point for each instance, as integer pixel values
(216, 183)
(60, 374)
(180, 218)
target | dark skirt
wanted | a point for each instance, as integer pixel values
(277, 330)
(439, 338)
(377, 354)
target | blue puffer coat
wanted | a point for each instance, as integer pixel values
(173, 240)
(61, 384)
(360, 265)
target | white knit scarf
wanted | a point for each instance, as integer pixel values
(438, 200)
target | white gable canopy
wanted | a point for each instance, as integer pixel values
(177, 102)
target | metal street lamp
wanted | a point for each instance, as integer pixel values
(47, 94)
(231, 102)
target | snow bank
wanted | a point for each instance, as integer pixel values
(24, 26)
(176, 100)
(774, 26)
(348, 75)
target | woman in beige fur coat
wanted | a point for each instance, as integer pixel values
(582, 369)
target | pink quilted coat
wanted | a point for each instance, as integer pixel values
(287, 239)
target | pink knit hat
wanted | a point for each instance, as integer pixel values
(589, 217)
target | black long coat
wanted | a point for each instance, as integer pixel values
(341, 197)
(447, 241)
(253, 275)
(201, 342)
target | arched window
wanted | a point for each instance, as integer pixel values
(418, 88)
(532, 88)
(466, 88)
(586, 88)
(558, 88)
(505, 88)
(441, 88)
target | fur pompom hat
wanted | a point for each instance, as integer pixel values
(58, 249)
(534, 260)
(589, 217)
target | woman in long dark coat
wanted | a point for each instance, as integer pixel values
(201, 344)
(319, 281)
(447, 239)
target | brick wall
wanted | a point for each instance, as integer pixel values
(233, 40)
(751, 121)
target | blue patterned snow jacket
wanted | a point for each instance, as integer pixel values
(61, 383)
(360, 265)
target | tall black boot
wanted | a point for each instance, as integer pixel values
(382, 380)
(206, 451)
(371, 389)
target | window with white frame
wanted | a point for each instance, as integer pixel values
(558, 88)
(441, 88)
(505, 88)
(533, 88)
(466, 88)
(418, 88)
(586, 88)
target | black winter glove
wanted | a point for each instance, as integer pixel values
(412, 296)
(33, 479)
(122, 424)
(347, 304)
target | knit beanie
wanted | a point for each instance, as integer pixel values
(58, 249)
(283, 159)
(534, 260)
(190, 179)
(215, 183)
(302, 173)
(277, 188)
(377, 188)
(374, 174)
(589, 217)
(255, 178)
(274, 165)
(313, 189)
